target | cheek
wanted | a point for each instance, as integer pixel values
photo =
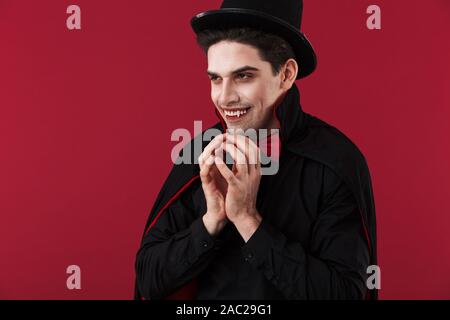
(254, 94)
(214, 95)
(270, 97)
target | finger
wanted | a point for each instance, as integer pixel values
(206, 168)
(219, 152)
(226, 173)
(256, 154)
(244, 144)
(210, 148)
(249, 148)
(236, 140)
(240, 161)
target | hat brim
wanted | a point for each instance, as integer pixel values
(233, 17)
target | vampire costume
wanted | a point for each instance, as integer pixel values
(317, 236)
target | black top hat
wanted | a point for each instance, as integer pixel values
(280, 17)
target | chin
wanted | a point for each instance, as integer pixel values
(236, 126)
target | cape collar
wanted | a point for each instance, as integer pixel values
(290, 115)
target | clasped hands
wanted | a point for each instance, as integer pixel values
(231, 194)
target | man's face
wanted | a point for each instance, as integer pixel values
(243, 87)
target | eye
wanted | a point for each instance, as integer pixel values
(243, 76)
(214, 78)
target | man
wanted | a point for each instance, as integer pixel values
(306, 232)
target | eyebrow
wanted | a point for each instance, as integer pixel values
(242, 69)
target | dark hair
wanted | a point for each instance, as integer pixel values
(271, 47)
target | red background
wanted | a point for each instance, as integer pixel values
(86, 118)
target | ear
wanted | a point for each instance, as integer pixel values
(289, 74)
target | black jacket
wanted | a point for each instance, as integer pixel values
(316, 239)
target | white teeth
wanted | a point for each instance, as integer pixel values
(237, 113)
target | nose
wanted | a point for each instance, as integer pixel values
(228, 95)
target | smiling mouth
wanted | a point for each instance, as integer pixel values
(235, 114)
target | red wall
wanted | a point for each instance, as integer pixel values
(86, 118)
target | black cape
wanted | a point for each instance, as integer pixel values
(306, 136)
